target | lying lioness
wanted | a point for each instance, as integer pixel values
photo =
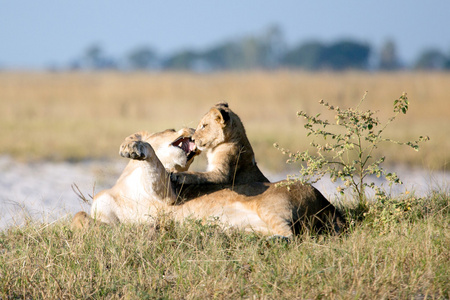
(144, 191)
(143, 183)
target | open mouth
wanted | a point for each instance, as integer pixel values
(187, 145)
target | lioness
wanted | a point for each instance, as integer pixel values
(131, 199)
(143, 191)
(231, 159)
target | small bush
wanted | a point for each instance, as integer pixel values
(346, 152)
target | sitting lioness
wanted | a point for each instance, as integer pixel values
(231, 159)
(143, 192)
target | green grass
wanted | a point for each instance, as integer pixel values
(401, 250)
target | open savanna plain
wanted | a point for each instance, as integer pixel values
(75, 116)
(399, 248)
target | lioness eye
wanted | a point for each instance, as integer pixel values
(204, 125)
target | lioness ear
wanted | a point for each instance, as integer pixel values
(222, 103)
(221, 115)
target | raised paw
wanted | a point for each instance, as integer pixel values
(138, 150)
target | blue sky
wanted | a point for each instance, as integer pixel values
(35, 34)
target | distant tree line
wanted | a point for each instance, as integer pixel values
(266, 51)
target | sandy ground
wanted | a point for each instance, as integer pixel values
(43, 192)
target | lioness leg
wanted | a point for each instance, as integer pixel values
(81, 220)
(154, 174)
(276, 216)
(135, 146)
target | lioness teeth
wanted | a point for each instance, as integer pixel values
(184, 143)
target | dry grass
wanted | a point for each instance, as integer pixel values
(81, 115)
(403, 256)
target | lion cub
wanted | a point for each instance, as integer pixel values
(231, 159)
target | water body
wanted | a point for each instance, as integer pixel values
(42, 191)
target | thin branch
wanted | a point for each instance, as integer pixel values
(80, 194)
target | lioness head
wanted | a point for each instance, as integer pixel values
(175, 149)
(217, 126)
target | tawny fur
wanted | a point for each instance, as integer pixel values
(231, 159)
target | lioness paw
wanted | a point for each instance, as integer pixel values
(180, 178)
(134, 150)
(175, 177)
